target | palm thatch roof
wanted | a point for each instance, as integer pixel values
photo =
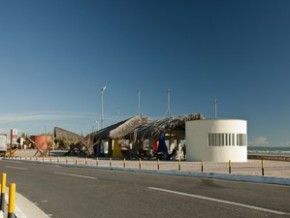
(132, 128)
(129, 126)
(76, 144)
(67, 136)
(174, 125)
(105, 132)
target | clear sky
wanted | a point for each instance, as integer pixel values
(56, 55)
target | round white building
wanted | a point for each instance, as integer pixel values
(218, 140)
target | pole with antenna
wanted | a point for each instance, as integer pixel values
(102, 106)
(139, 103)
(168, 111)
(215, 102)
(119, 114)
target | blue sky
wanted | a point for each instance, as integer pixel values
(56, 55)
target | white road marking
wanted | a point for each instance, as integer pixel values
(16, 168)
(220, 201)
(75, 175)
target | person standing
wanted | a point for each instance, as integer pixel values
(184, 151)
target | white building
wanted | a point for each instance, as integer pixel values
(218, 140)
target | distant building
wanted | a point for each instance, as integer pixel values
(218, 140)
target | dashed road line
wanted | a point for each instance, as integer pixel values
(16, 168)
(75, 175)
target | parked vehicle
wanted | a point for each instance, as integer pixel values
(3, 144)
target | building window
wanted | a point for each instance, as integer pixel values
(241, 139)
(227, 139)
(233, 139)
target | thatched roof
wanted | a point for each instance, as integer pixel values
(134, 127)
(67, 136)
(76, 144)
(105, 132)
(71, 138)
(174, 125)
(129, 126)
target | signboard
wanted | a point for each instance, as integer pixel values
(14, 136)
(3, 142)
(14, 133)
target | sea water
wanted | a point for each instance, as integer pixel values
(269, 150)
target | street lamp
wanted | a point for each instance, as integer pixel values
(102, 106)
(215, 102)
(98, 125)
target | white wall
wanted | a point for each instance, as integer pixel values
(197, 140)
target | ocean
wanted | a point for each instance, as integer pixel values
(269, 150)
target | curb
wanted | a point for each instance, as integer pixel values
(27, 208)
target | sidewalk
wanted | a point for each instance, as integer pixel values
(23, 207)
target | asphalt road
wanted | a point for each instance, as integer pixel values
(67, 192)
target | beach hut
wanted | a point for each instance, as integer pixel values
(119, 134)
(146, 135)
(76, 144)
(108, 141)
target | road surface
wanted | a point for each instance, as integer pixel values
(68, 192)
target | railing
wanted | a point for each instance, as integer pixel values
(253, 167)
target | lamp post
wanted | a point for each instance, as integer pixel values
(215, 102)
(102, 106)
(98, 125)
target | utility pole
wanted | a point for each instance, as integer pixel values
(139, 103)
(168, 112)
(119, 114)
(215, 102)
(102, 106)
